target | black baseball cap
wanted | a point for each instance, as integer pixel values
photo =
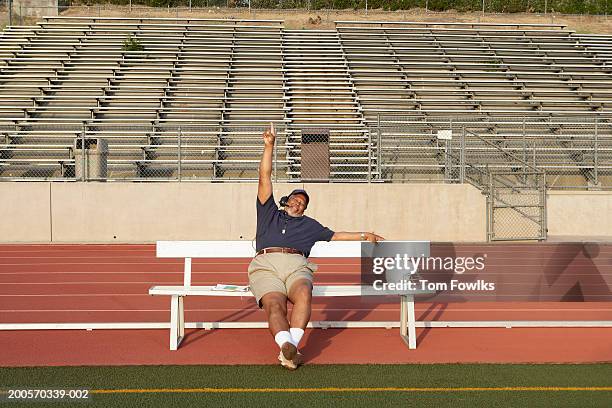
(303, 192)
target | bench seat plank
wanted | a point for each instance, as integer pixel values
(318, 290)
(246, 249)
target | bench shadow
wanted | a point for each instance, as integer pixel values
(197, 334)
(436, 316)
(320, 339)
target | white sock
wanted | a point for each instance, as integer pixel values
(296, 335)
(282, 337)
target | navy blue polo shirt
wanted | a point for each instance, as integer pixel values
(275, 228)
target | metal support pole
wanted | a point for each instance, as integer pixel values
(462, 157)
(379, 150)
(10, 10)
(448, 163)
(216, 158)
(490, 215)
(83, 161)
(596, 154)
(545, 7)
(180, 158)
(130, 6)
(524, 151)
(543, 208)
(483, 7)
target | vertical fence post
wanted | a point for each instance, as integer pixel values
(490, 214)
(130, 6)
(596, 154)
(180, 156)
(448, 148)
(83, 160)
(462, 156)
(524, 151)
(10, 10)
(483, 7)
(379, 149)
(544, 208)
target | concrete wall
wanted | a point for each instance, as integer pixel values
(436, 212)
(25, 212)
(580, 215)
(146, 212)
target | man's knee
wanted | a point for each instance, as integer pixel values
(274, 303)
(301, 292)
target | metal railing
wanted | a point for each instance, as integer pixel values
(574, 155)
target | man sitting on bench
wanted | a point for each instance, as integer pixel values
(281, 271)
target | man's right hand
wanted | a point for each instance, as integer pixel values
(264, 190)
(269, 135)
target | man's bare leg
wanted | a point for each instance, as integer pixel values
(275, 306)
(301, 297)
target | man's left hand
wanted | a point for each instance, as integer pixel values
(373, 238)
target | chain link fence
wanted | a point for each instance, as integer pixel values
(21, 11)
(575, 153)
(99, 152)
(139, 153)
(516, 206)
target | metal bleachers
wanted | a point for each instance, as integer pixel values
(193, 102)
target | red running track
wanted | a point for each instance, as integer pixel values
(109, 283)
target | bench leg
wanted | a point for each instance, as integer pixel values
(181, 323)
(408, 321)
(177, 321)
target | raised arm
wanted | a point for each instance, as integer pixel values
(264, 190)
(356, 236)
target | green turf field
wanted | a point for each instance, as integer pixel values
(469, 385)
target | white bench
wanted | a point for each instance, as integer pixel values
(245, 249)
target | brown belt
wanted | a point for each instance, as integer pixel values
(281, 250)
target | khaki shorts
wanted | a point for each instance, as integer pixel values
(276, 272)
